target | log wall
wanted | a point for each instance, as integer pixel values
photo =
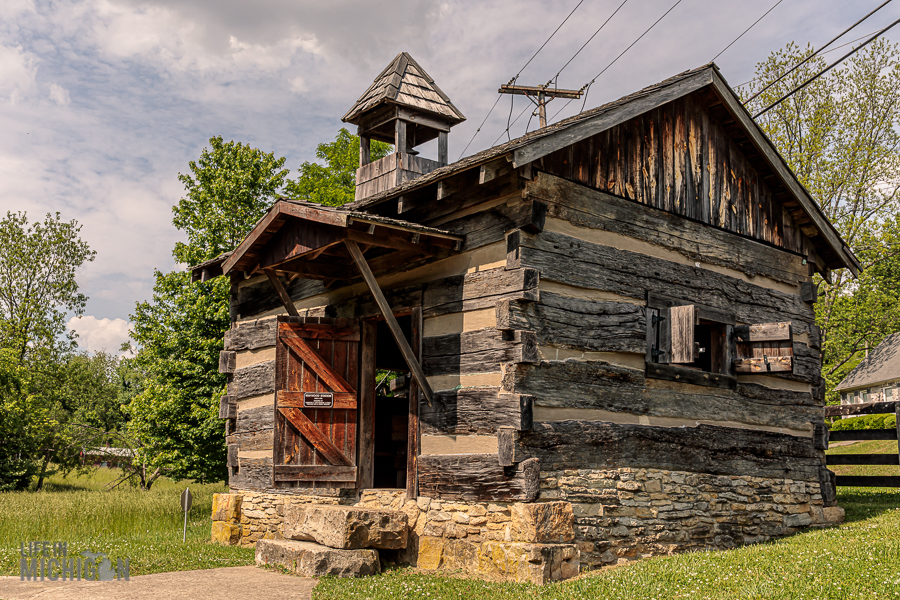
(541, 321)
(683, 159)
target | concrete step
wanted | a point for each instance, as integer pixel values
(346, 527)
(313, 560)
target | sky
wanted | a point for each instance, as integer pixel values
(104, 102)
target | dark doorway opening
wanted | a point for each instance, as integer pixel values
(391, 409)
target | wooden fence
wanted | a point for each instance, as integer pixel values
(868, 408)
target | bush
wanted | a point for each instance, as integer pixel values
(865, 422)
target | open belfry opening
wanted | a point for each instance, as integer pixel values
(604, 335)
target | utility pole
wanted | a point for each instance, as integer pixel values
(540, 95)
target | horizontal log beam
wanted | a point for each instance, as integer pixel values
(862, 459)
(314, 473)
(887, 481)
(566, 445)
(254, 380)
(866, 408)
(850, 435)
(475, 411)
(602, 386)
(477, 477)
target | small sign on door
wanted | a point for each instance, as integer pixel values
(318, 400)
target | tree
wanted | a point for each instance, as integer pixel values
(333, 183)
(38, 262)
(17, 415)
(180, 331)
(37, 282)
(840, 136)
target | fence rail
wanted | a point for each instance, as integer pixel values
(868, 408)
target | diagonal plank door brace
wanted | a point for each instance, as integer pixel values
(405, 349)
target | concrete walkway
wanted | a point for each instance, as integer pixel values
(231, 583)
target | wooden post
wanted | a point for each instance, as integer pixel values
(399, 136)
(897, 413)
(364, 150)
(282, 293)
(542, 109)
(408, 355)
(412, 444)
(442, 148)
(365, 464)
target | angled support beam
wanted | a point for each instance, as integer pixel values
(282, 293)
(408, 355)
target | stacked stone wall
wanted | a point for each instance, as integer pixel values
(626, 514)
(582, 520)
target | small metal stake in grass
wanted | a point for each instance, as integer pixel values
(186, 500)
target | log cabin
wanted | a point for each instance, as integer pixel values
(605, 328)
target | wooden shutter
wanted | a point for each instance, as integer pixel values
(316, 380)
(764, 348)
(682, 321)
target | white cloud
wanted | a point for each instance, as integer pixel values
(95, 335)
(298, 85)
(59, 94)
(17, 72)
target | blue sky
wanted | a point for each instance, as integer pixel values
(103, 102)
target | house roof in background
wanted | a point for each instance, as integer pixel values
(882, 364)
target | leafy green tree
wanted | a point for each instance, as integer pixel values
(37, 282)
(180, 331)
(38, 262)
(333, 183)
(17, 419)
(840, 135)
(226, 192)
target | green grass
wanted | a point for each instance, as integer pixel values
(145, 527)
(870, 447)
(860, 559)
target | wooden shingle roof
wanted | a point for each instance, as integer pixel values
(405, 83)
(882, 364)
(541, 142)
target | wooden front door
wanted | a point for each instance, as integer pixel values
(316, 402)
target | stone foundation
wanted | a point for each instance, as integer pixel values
(626, 514)
(583, 519)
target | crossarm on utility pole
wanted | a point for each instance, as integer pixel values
(405, 349)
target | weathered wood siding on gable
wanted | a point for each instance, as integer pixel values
(682, 159)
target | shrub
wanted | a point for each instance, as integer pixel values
(864, 422)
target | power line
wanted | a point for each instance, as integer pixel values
(835, 49)
(556, 77)
(548, 39)
(517, 75)
(748, 29)
(480, 126)
(823, 71)
(808, 58)
(510, 125)
(591, 82)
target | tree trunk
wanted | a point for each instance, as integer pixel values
(47, 455)
(149, 482)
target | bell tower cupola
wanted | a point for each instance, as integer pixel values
(403, 107)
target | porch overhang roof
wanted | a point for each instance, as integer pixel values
(308, 240)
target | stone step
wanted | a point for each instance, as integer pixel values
(516, 561)
(346, 527)
(313, 560)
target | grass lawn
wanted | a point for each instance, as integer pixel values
(142, 526)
